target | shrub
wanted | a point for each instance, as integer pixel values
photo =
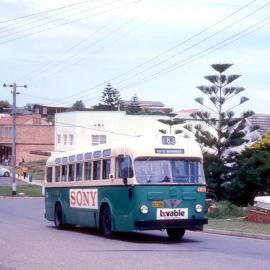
(225, 209)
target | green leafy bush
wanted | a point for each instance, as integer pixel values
(225, 209)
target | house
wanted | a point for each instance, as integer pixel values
(149, 106)
(35, 136)
(46, 110)
(82, 129)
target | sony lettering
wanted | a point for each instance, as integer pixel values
(83, 198)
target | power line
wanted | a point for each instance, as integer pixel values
(49, 65)
(43, 12)
(122, 35)
(63, 124)
(53, 27)
(194, 45)
(106, 38)
(204, 52)
(32, 19)
(164, 52)
(249, 30)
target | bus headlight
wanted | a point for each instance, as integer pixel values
(144, 209)
(198, 208)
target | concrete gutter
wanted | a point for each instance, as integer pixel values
(238, 234)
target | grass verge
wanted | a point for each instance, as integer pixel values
(238, 225)
(28, 190)
(36, 169)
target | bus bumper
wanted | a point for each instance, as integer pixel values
(191, 224)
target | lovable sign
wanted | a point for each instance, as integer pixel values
(83, 198)
(172, 213)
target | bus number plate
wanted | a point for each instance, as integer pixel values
(158, 204)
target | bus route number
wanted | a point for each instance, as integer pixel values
(168, 140)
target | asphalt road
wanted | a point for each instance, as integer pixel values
(28, 241)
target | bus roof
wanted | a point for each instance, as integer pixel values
(144, 146)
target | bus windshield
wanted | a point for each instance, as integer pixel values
(152, 170)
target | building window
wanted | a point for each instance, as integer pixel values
(58, 138)
(10, 131)
(6, 131)
(44, 110)
(98, 139)
(65, 139)
(70, 139)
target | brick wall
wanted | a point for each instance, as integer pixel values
(34, 138)
(258, 216)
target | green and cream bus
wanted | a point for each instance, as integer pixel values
(149, 183)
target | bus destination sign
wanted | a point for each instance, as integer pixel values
(169, 151)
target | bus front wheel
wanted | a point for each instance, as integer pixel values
(175, 234)
(58, 216)
(106, 219)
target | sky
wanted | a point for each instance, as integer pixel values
(159, 50)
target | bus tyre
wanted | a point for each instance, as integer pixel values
(58, 216)
(106, 221)
(175, 234)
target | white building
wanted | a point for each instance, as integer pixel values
(81, 129)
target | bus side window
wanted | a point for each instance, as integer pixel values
(106, 168)
(96, 169)
(79, 167)
(64, 173)
(71, 172)
(87, 170)
(49, 174)
(57, 173)
(125, 167)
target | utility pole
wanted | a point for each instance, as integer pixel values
(14, 113)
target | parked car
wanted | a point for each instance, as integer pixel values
(4, 172)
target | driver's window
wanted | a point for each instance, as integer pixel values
(124, 167)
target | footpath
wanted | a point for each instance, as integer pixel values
(238, 234)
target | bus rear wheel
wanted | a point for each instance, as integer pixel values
(106, 220)
(175, 234)
(58, 216)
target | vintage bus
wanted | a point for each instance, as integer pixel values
(148, 183)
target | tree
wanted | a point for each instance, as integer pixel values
(51, 119)
(78, 106)
(4, 105)
(228, 129)
(134, 106)
(110, 100)
(251, 177)
(263, 143)
(172, 121)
